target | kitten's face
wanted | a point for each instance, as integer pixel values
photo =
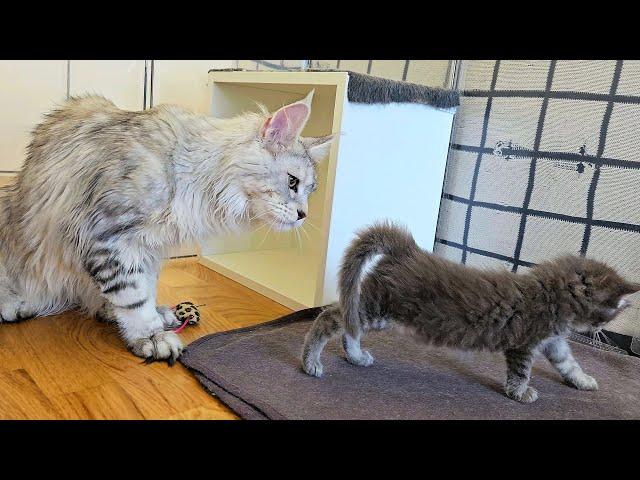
(286, 167)
(606, 293)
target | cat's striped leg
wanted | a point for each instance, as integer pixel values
(128, 284)
(519, 363)
(558, 352)
(106, 313)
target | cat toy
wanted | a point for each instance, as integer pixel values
(187, 313)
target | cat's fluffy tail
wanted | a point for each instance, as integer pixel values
(381, 238)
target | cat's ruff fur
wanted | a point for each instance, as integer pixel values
(104, 193)
(453, 305)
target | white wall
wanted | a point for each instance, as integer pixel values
(121, 81)
(184, 82)
(27, 89)
(30, 88)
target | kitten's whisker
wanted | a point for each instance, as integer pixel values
(608, 340)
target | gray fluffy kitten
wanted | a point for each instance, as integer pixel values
(387, 280)
(104, 193)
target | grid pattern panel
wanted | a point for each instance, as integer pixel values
(548, 153)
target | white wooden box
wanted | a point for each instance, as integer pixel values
(388, 163)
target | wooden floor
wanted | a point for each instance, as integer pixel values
(72, 367)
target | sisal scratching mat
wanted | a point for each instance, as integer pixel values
(256, 372)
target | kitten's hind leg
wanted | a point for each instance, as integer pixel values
(519, 364)
(325, 326)
(355, 354)
(558, 352)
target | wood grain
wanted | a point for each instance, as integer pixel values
(70, 366)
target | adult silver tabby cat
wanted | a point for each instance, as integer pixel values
(104, 193)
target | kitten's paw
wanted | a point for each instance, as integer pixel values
(312, 367)
(583, 382)
(529, 395)
(364, 359)
(169, 318)
(161, 346)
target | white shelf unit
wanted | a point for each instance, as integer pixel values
(388, 163)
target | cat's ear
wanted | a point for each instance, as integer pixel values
(283, 127)
(318, 147)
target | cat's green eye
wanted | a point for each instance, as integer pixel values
(293, 183)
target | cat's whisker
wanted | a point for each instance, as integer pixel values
(305, 232)
(263, 225)
(265, 235)
(312, 225)
(259, 215)
(299, 239)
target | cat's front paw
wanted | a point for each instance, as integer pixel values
(528, 395)
(15, 310)
(169, 319)
(583, 382)
(160, 346)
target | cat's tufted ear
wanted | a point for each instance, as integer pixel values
(318, 147)
(283, 127)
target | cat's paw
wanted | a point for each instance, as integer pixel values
(15, 311)
(363, 359)
(106, 314)
(160, 346)
(169, 319)
(529, 395)
(583, 382)
(312, 367)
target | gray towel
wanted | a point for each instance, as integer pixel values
(256, 372)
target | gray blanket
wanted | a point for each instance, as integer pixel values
(256, 372)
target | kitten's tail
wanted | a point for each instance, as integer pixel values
(381, 238)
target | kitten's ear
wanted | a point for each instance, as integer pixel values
(318, 147)
(630, 287)
(283, 127)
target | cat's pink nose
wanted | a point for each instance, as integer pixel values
(301, 214)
